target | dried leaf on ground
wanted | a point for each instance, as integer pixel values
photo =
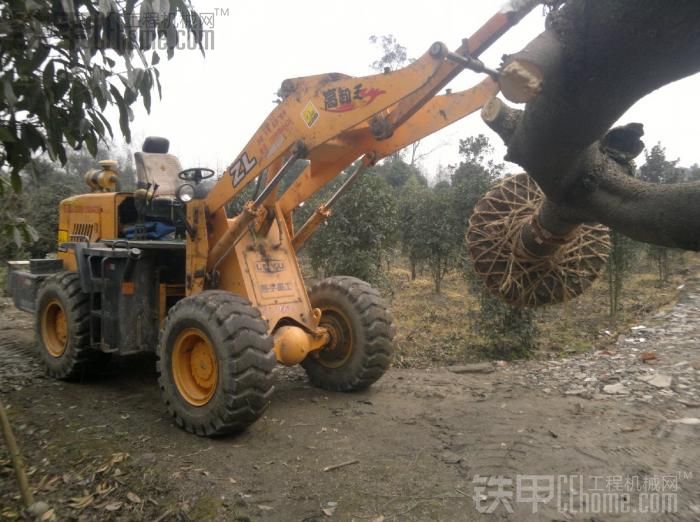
(113, 506)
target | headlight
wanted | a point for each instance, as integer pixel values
(185, 193)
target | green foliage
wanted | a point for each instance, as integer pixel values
(510, 332)
(436, 236)
(410, 209)
(397, 173)
(657, 169)
(358, 235)
(45, 186)
(434, 220)
(475, 149)
(507, 332)
(14, 230)
(63, 63)
(393, 54)
(691, 173)
(473, 177)
(45, 189)
(623, 255)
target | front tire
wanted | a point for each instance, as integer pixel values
(215, 363)
(62, 325)
(361, 327)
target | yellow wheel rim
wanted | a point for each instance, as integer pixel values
(339, 349)
(54, 328)
(195, 368)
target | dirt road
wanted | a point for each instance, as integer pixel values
(600, 436)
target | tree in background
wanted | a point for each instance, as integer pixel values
(434, 219)
(691, 173)
(397, 173)
(45, 186)
(410, 217)
(362, 228)
(657, 169)
(508, 332)
(394, 55)
(400, 175)
(623, 254)
(438, 233)
(472, 178)
(59, 74)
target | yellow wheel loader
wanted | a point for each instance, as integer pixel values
(220, 298)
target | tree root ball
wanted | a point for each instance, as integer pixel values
(521, 280)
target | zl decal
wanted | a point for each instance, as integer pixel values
(241, 167)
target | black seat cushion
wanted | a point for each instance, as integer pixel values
(156, 145)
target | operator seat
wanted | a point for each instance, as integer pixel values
(155, 166)
(157, 170)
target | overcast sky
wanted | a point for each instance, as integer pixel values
(212, 105)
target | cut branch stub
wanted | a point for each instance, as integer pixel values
(523, 74)
(521, 279)
(501, 118)
(520, 81)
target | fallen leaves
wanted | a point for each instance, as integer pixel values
(113, 506)
(330, 508)
(48, 484)
(9, 514)
(80, 503)
(99, 486)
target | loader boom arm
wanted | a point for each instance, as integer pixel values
(317, 109)
(332, 120)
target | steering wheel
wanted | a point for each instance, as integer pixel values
(196, 174)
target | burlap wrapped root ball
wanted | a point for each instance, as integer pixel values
(517, 278)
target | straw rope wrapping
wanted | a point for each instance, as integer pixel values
(519, 279)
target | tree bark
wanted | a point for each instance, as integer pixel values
(593, 62)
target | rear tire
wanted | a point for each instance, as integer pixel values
(62, 325)
(361, 327)
(215, 363)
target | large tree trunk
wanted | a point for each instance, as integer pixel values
(594, 61)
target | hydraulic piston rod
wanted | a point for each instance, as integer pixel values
(323, 212)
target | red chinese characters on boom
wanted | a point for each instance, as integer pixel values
(343, 99)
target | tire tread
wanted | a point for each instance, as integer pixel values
(248, 387)
(378, 330)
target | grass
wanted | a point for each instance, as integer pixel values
(438, 330)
